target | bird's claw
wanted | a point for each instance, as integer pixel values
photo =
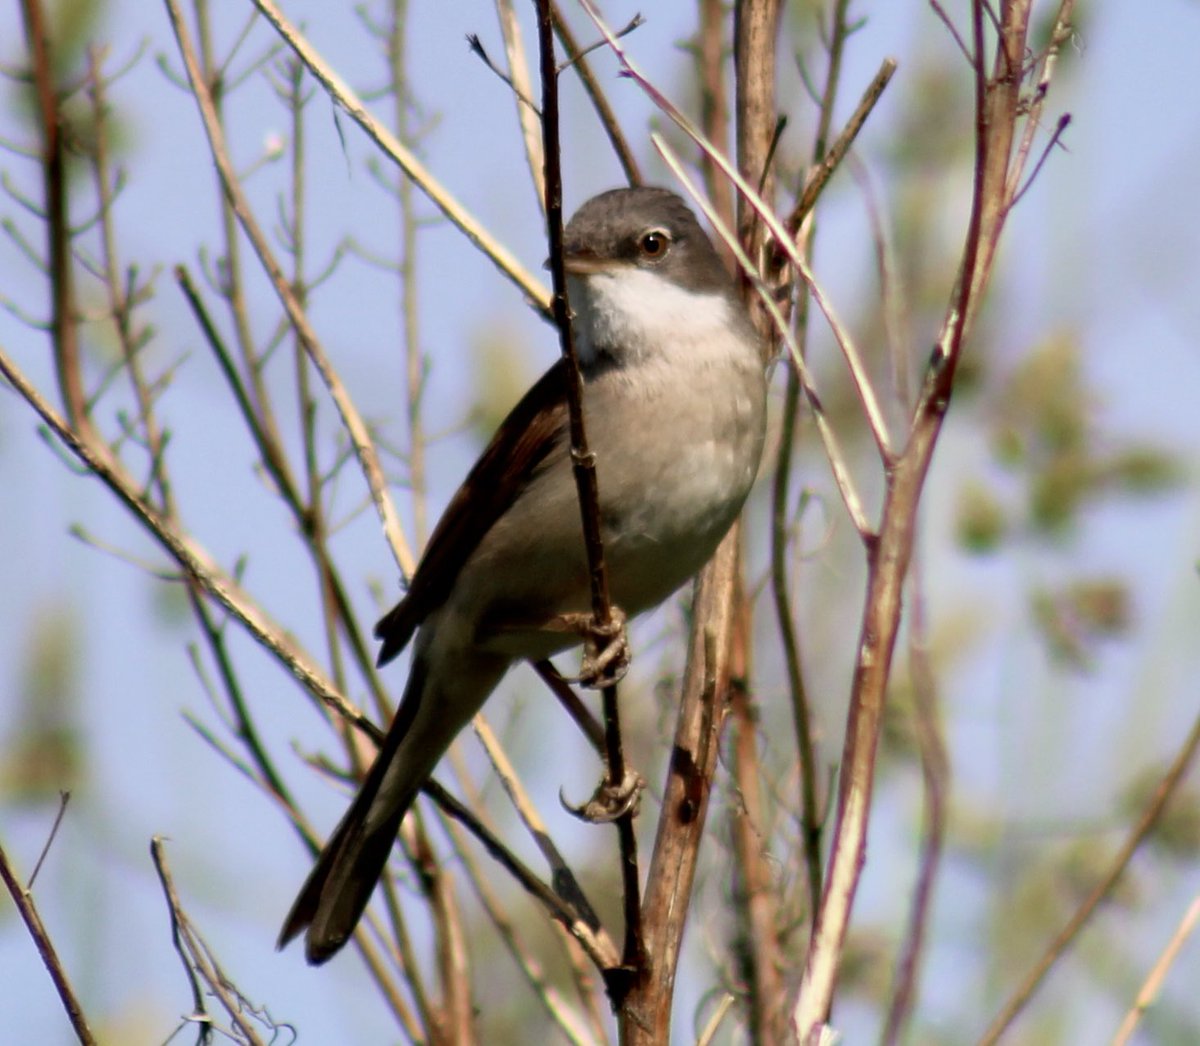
(610, 801)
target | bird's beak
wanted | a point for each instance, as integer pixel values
(583, 263)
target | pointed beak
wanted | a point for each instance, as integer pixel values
(583, 263)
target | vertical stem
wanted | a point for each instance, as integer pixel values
(998, 106)
(64, 333)
(414, 362)
(810, 806)
(585, 471)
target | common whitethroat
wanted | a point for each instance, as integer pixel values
(674, 400)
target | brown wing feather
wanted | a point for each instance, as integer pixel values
(534, 427)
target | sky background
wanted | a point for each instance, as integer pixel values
(1105, 246)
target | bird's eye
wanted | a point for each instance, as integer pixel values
(654, 243)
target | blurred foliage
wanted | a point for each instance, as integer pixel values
(865, 969)
(980, 522)
(501, 374)
(43, 752)
(1046, 430)
(1176, 835)
(1072, 619)
(73, 26)
(1043, 887)
(1045, 433)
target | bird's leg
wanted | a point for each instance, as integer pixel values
(605, 661)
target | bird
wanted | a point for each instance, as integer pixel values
(674, 404)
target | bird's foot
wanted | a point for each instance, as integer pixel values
(606, 654)
(611, 800)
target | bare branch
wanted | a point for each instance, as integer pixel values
(1158, 973)
(345, 97)
(360, 436)
(23, 899)
(607, 625)
(1066, 936)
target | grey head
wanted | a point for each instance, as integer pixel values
(644, 228)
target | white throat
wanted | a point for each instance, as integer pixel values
(631, 313)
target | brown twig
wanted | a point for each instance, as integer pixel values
(568, 1021)
(63, 799)
(824, 162)
(198, 961)
(1158, 973)
(755, 888)
(360, 436)
(23, 899)
(455, 1016)
(827, 162)
(64, 332)
(527, 114)
(608, 119)
(756, 30)
(998, 107)
(588, 724)
(348, 100)
(585, 477)
(591, 936)
(566, 885)
(714, 107)
(703, 702)
(1066, 936)
(935, 772)
(190, 556)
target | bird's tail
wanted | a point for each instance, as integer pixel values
(437, 703)
(337, 890)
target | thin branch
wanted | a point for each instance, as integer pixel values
(837, 461)
(198, 960)
(1066, 936)
(63, 799)
(566, 885)
(522, 94)
(588, 724)
(359, 434)
(1158, 974)
(714, 105)
(935, 772)
(593, 938)
(348, 100)
(608, 119)
(568, 1021)
(64, 331)
(527, 116)
(1064, 122)
(819, 175)
(190, 556)
(23, 900)
(584, 462)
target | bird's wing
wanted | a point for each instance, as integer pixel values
(534, 427)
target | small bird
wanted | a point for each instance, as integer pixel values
(674, 400)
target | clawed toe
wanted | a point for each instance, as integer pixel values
(609, 802)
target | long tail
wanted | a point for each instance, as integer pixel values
(337, 890)
(442, 694)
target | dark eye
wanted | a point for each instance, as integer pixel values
(654, 243)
